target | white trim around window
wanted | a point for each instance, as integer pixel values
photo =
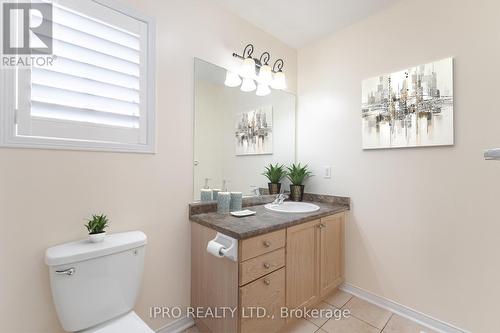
(108, 105)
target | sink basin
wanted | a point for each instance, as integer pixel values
(292, 207)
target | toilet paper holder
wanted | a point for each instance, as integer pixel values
(229, 246)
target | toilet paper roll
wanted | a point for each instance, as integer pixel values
(215, 248)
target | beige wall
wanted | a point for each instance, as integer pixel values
(424, 229)
(44, 195)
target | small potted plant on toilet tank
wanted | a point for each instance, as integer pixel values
(297, 174)
(274, 173)
(96, 226)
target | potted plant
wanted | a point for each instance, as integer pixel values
(96, 226)
(297, 173)
(274, 173)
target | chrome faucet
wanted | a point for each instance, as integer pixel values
(280, 198)
(255, 190)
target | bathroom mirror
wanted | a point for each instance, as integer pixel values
(236, 133)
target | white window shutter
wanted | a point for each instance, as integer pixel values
(99, 87)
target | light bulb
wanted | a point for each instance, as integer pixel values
(279, 81)
(232, 79)
(263, 90)
(248, 68)
(265, 75)
(248, 85)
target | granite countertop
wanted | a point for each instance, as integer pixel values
(264, 220)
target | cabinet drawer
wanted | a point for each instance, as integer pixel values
(258, 245)
(267, 292)
(256, 267)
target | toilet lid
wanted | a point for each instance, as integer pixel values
(129, 323)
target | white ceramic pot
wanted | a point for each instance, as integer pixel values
(97, 238)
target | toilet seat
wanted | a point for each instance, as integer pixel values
(129, 323)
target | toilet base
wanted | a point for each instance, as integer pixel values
(128, 323)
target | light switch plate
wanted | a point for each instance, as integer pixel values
(327, 171)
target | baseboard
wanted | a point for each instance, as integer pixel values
(177, 326)
(403, 311)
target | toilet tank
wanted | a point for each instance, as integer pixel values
(95, 282)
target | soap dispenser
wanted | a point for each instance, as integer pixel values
(223, 199)
(206, 192)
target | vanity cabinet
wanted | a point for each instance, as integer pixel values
(302, 264)
(262, 262)
(258, 245)
(314, 260)
(331, 273)
(267, 292)
(294, 267)
(254, 268)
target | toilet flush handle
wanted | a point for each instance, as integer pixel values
(69, 271)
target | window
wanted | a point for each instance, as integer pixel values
(99, 91)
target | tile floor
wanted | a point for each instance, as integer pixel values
(365, 318)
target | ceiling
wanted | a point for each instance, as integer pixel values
(299, 22)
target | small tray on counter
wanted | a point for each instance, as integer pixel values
(243, 213)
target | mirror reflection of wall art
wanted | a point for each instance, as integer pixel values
(409, 108)
(254, 132)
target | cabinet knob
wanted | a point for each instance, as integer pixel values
(267, 282)
(266, 243)
(266, 265)
(322, 225)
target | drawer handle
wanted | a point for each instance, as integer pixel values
(321, 225)
(266, 243)
(267, 282)
(266, 265)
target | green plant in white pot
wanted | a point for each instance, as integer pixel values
(297, 174)
(96, 227)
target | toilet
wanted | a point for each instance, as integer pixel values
(95, 285)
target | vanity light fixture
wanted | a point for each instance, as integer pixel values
(248, 67)
(248, 85)
(257, 73)
(232, 79)
(265, 71)
(263, 90)
(279, 81)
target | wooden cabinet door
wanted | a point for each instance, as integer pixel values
(302, 264)
(332, 253)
